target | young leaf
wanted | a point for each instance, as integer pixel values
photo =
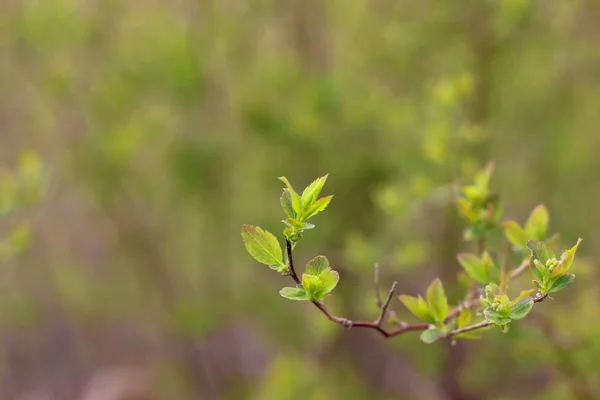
(417, 306)
(263, 246)
(317, 207)
(540, 251)
(494, 317)
(294, 293)
(436, 299)
(431, 335)
(317, 265)
(537, 223)
(464, 317)
(286, 204)
(310, 194)
(566, 260)
(473, 267)
(521, 308)
(482, 178)
(515, 234)
(313, 286)
(562, 282)
(296, 201)
(329, 279)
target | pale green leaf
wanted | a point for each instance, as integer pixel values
(294, 293)
(540, 251)
(317, 207)
(436, 299)
(329, 280)
(286, 203)
(562, 282)
(310, 194)
(494, 317)
(262, 245)
(537, 223)
(431, 335)
(296, 201)
(313, 286)
(566, 260)
(317, 265)
(515, 234)
(464, 318)
(521, 308)
(417, 306)
(474, 267)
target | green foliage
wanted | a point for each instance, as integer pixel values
(418, 307)
(431, 335)
(264, 247)
(548, 271)
(479, 206)
(436, 300)
(300, 208)
(319, 278)
(481, 269)
(536, 228)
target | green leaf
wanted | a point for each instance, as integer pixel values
(537, 223)
(296, 201)
(521, 308)
(515, 234)
(474, 267)
(286, 203)
(566, 259)
(310, 194)
(294, 293)
(431, 335)
(436, 299)
(313, 286)
(317, 207)
(317, 265)
(329, 279)
(494, 317)
(263, 246)
(464, 317)
(466, 210)
(417, 306)
(482, 178)
(562, 282)
(540, 251)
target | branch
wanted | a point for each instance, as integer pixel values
(348, 323)
(290, 262)
(469, 328)
(376, 324)
(520, 269)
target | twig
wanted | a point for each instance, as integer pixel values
(377, 293)
(348, 323)
(469, 328)
(520, 269)
(376, 324)
(290, 260)
(385, 306)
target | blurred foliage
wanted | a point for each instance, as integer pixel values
(164, 124)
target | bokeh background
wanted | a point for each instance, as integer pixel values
(162, 127)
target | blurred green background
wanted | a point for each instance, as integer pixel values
(162, 127)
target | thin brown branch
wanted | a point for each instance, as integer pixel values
(469, 328)
(385, 306)
(520, 269)
(377, 324)
(348, 323)
(290, 262)
(376, 280)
